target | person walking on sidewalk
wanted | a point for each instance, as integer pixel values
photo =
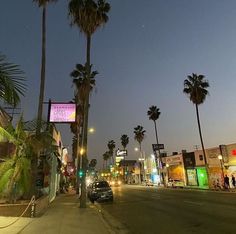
(226, 182)
(233, 181)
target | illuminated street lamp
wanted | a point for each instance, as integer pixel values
(221, 165)
(91, 130)
(82, 151)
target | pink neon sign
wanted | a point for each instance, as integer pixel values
(62, 112)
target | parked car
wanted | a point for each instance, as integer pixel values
(100, 191)
(173, 183)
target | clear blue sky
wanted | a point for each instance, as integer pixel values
(143, 55)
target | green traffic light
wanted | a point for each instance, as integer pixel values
(81, 173)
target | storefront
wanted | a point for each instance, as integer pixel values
(192, 177)
(202, 177)
(174, 168)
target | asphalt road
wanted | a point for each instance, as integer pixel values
(139, 209)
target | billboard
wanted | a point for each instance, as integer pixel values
(62, 112)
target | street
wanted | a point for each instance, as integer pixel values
(140, 209)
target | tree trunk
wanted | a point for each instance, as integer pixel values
(42, 80)
(158, 164)
(78, 143)
(200, 133)
(85, 129)
(124, 168)
(141, 162)
(40, 103)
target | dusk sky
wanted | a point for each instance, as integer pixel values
(143, 54)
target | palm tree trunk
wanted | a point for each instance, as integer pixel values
(124, 168)
(141, 162)
(200, 133)
(43, 64)
(78, 145)
(158, 164)
(85, 129)
(40, 103)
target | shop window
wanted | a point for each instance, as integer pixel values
(201, 157)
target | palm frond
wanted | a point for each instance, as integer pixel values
(12, 82)
(5, 179)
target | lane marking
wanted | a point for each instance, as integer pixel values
(194, 203)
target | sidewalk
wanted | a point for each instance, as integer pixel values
(62, 217)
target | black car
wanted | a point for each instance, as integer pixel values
(100, 191)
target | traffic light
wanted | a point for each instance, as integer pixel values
(81, 173)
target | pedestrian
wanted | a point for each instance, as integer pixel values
(233, 181)
(226, 182)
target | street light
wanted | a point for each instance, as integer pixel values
(91, 130)
(221, 165)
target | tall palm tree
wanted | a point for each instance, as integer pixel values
(111, 146)
(11, 82)
(43, 4)
(79, 75)
(139, 134)
(124, 142)
(88, 15)
(153, 114)
(196, 89)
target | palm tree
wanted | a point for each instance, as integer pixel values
(139, 134)
(124, 142)
(106, 156)
(79, 75)
(11, 82)
(43, 4)
(153, 114)
(88, 15)
(196, 89)
(111, 146)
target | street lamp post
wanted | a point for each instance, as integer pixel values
(222, 167)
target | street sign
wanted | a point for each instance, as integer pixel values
(156, 147)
